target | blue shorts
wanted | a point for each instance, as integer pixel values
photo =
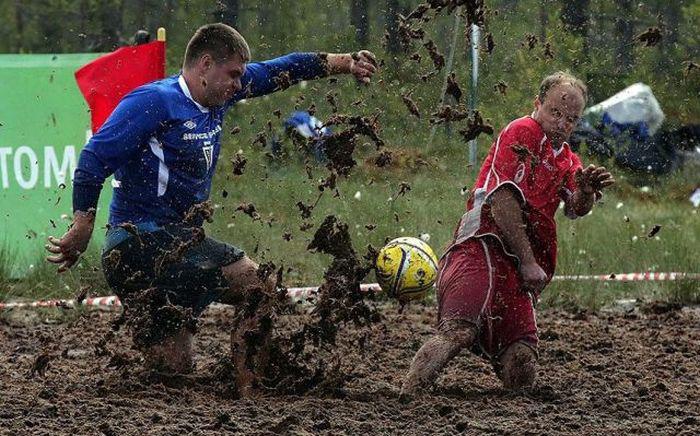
(180, 262)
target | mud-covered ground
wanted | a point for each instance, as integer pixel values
(624, 374)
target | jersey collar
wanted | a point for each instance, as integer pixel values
(186, 91)
(555, 151)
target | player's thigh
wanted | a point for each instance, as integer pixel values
(513, 313)
(465, 283)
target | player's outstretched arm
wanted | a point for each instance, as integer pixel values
(266, 77)
(589, 182)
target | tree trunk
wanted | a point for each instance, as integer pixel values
(671, 16)
(110, 18)
(359, 18)
(228, 12)
(264, 16)
(167, 17)
(624, 34)
(19, 18)
(392, 27)
(544, 20)
(575, 15)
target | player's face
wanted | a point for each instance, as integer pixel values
(560, 112)
(223, 80)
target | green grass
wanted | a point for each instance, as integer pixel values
(597, 244)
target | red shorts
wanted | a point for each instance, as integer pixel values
(480, 284)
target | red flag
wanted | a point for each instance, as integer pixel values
(108, 78)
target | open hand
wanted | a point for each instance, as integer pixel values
(68, 249)
(363, 66)
(593, 179)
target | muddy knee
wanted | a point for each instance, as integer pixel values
(461, 333)
(518, 366)
(243, 277)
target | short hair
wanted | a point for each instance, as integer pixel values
(558, 78)
(220, 40)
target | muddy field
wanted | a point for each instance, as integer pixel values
(624, 374)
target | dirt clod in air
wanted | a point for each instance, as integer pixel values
(453, 88)
(489, 44)
(447, 113)
(475, 127)
(650, 37)
(501, 87)
(435, 55)
(198, 213)
(530, 41)
(302, 361)
(250, 210)
(410, 104)
(383, 159)
(305, 209)
(283, 80)
(340, 146)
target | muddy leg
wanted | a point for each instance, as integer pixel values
(173, 355)
(517, 366)
(452, 337)
(250, 338)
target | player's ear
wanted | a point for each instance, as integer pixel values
(206, 62)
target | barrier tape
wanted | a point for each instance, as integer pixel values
(112, 301)
(633, 277)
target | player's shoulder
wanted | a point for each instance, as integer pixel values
(525, 127)
(167, 87)
(166, 95)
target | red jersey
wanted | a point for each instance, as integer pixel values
(523, 158)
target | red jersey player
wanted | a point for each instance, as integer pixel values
(504, 250)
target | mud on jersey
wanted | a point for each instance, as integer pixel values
(522, 158)
(162, 146)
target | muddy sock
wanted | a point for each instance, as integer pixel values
(518, 366)
(436, 353)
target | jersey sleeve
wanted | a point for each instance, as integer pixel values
(137, 117)
(513, 160)
(261, 78)
(569, 183)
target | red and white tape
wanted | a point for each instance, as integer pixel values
(101, 302)
(633, 277)
(112, 301)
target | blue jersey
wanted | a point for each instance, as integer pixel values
(162, 146)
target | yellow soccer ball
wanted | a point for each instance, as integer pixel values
(406, 268)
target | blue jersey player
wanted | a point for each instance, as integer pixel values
(162, 144)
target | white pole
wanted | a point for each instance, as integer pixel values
(475, 80)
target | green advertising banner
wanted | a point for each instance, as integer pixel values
(44, 123)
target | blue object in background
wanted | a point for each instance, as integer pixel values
(308, 126)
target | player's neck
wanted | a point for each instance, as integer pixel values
(194, 86)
